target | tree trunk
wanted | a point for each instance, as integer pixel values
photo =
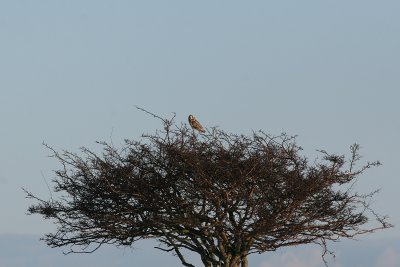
(244, 261)
(235, 261)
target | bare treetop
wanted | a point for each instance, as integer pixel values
(221, 195)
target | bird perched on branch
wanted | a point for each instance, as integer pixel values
(195, 124)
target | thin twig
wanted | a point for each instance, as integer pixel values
(152, 114)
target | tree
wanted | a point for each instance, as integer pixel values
(221, 195)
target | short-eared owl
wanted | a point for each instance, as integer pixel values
(195, 124)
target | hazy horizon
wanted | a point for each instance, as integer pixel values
(26, 250)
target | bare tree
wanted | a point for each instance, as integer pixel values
(221, 195)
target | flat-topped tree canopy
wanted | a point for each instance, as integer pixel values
(221, 195)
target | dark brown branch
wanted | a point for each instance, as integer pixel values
(152, 114)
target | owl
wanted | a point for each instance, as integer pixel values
(195, 124)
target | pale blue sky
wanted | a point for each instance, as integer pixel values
(72, 71)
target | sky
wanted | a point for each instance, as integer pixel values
(71, 73)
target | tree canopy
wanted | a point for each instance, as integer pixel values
(221, 195)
